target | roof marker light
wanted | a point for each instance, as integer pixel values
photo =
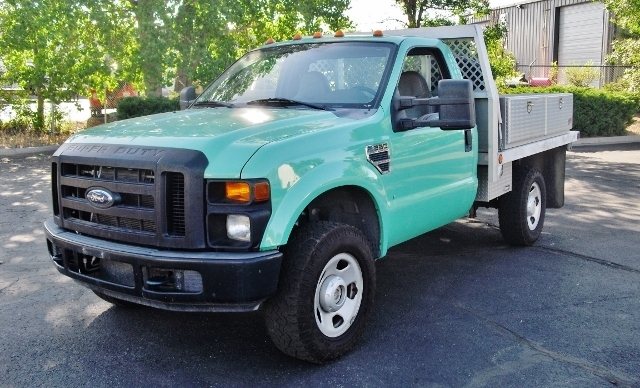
(339, 34)
(297, 37)
(317, 35)
(378, 33)
(270, 41)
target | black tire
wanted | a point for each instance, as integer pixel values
(117, 302)
(521, 212)
(293, 317)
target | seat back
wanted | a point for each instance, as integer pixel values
(413, 84)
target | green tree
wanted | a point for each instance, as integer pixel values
(419, 12)
(153, 19)
(50, 48)
(58, 48)
(210, 36)
(626, 47)
(626, 14)
(501, 60)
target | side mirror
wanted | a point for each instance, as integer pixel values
(457, 107)
(458, 115)
(187, 96)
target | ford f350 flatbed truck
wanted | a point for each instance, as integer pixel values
(280, 184)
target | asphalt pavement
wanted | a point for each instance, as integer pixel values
(456, 307)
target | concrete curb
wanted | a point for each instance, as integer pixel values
(600, 141)
(27, 151)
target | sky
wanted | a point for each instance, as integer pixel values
(369, 15)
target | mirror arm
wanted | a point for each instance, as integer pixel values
(410, 102)
(408, 124)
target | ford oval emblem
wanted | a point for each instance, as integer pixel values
(101, 198)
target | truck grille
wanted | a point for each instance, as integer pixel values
(146, 202)
(129, 182)
(175, 204)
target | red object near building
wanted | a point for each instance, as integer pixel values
(123, 90)
(540, 82)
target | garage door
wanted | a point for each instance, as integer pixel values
(581, 30)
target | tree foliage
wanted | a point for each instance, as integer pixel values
(59, 48)
(420, 12)
(626, 14)
(210, 38)
(49, 48)
(501, 60)
(626, 47)
(433, 13)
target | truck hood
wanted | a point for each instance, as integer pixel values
(227, 136)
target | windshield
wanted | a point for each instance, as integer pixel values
(315, 75)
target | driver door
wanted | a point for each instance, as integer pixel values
(432, 175)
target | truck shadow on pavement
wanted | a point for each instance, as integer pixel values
(453, 307)
(234, 349)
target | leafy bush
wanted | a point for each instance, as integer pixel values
(581, 76)
(501, 61)
(129, 107)
(626, 52)
(595, 112)
(26, 121)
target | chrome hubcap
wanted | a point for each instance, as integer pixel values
(534, 206)
(338, 295)
(333, 293)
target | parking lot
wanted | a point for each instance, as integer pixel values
(456, 307)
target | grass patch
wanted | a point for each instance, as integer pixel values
(12, 137)
(634, 128)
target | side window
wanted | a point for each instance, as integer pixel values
(426, 65)
(421, 72)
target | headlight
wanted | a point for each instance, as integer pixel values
(237, 213)
(238, 227)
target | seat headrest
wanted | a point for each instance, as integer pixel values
(413, 84)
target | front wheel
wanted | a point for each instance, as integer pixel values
(521, 212)
(325, 292)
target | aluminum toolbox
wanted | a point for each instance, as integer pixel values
(530, 117)
(559, 113)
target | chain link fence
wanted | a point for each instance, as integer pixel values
(98, 108)
(604, 74)
(103, 109)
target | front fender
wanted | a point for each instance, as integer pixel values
(291, 193)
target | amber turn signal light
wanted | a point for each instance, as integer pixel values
(238, 191)
(262, 191)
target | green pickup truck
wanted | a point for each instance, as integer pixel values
(304, 162)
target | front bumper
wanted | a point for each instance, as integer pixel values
(170, 280)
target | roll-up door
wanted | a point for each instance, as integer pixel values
(581, 30)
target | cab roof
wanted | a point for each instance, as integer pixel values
(351, 37)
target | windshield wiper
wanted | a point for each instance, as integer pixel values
(286, 102)
(214, 104)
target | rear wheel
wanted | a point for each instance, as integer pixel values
(325, 292)
(521, 212)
